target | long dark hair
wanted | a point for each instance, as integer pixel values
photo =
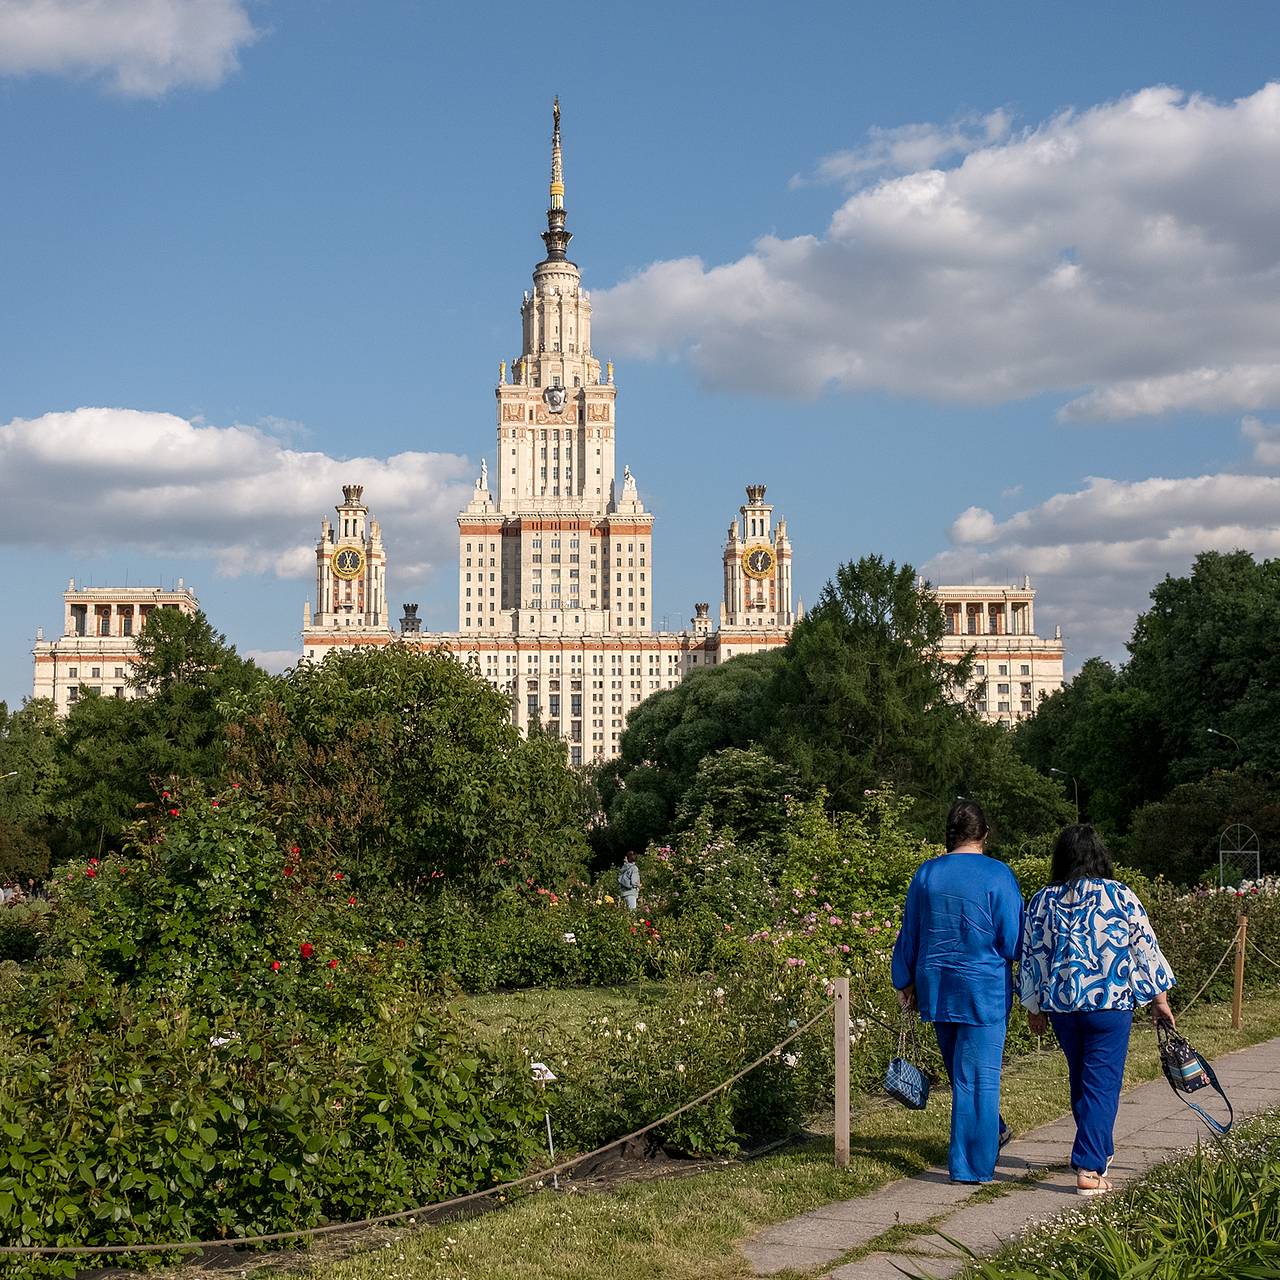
(1079, 854)
(966, 823)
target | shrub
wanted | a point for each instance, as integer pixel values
(618, 1074)
(710, 870)
(151, 1123)
(22, 929)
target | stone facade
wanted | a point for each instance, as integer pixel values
(98, 647)
(1014, 668)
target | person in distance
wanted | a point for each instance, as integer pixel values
(1088, 958)
(953, 962)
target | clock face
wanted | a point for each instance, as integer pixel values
(348, 562)
(757, 561)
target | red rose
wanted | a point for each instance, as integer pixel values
(215, 804)
(306, 951)
(333, 964)
(351, 902)
(275, 966)
(296, 849)
(289, 871)
(173, 813)
(89, 871)
(235, 786)
(164, 795)
(337, 875)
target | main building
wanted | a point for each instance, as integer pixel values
(556, 552)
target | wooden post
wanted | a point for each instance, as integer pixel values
(842, 1072)
(1237, 992)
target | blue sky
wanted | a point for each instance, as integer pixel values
(992, 288)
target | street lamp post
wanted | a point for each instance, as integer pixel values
(1217, 733)
(1062, 773)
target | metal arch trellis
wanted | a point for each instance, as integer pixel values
(1239, 855)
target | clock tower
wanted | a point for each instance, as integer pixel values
(351, 568)
(757, 568)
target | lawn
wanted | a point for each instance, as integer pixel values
(687, 1228)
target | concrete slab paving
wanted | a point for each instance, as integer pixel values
(1152, 1124)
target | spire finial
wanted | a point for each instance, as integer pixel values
(556, 237)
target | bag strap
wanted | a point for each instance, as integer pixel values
(1165, 1035)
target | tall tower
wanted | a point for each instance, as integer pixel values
(553, 543)
(351, 568)
(757, 567)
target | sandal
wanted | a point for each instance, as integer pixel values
(1089, 1183)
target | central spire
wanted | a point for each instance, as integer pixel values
(555, 237)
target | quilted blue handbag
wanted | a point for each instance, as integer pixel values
(904, 1079)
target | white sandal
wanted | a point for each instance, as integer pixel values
(1101, 1184)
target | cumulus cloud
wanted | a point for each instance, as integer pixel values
(141, 48)
(1096, 552)
(1126, 256)
(171, 487)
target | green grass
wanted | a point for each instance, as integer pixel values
(551, 1007)
(1214, 1215)
(687, 1228)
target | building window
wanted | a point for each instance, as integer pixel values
(1024, 670)
(1002, 688)
(95, 673)
(73, 672)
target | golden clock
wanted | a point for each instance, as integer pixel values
(758, 560)
(348, 562)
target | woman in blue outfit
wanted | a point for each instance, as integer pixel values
(953, 961)
(1089, 957)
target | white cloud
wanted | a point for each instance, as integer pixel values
(127, 478)
(1126, 256)
(142, 48)
(1095, 553)
(275, 660)
(1266, 441)
(908, 147)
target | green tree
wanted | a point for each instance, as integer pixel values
(743, 789)
(1205, 656)
(1177, 837)
(115, 753)
(669, 735)
(28, 798)
(1104, 736)
(404, 765)
(1021, 804)
(864, 696)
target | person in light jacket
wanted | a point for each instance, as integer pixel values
(1089, 958)
(953, 961)
(629, 882)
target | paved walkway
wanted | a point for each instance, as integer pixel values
(1037, 1184)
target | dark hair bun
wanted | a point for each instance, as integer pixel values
(966, 824)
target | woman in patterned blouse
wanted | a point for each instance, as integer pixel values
(1089, 958)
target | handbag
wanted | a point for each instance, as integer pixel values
(1186, 1071)
(904, 1079)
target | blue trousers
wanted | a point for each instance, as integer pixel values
(972, 1056)
(1096, 1043)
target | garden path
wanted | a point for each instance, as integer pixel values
(1033, 1182)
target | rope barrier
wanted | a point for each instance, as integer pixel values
(277, 1237)
(1231, 946)
(1263, 954)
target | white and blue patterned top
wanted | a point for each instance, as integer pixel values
(1089, 945)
